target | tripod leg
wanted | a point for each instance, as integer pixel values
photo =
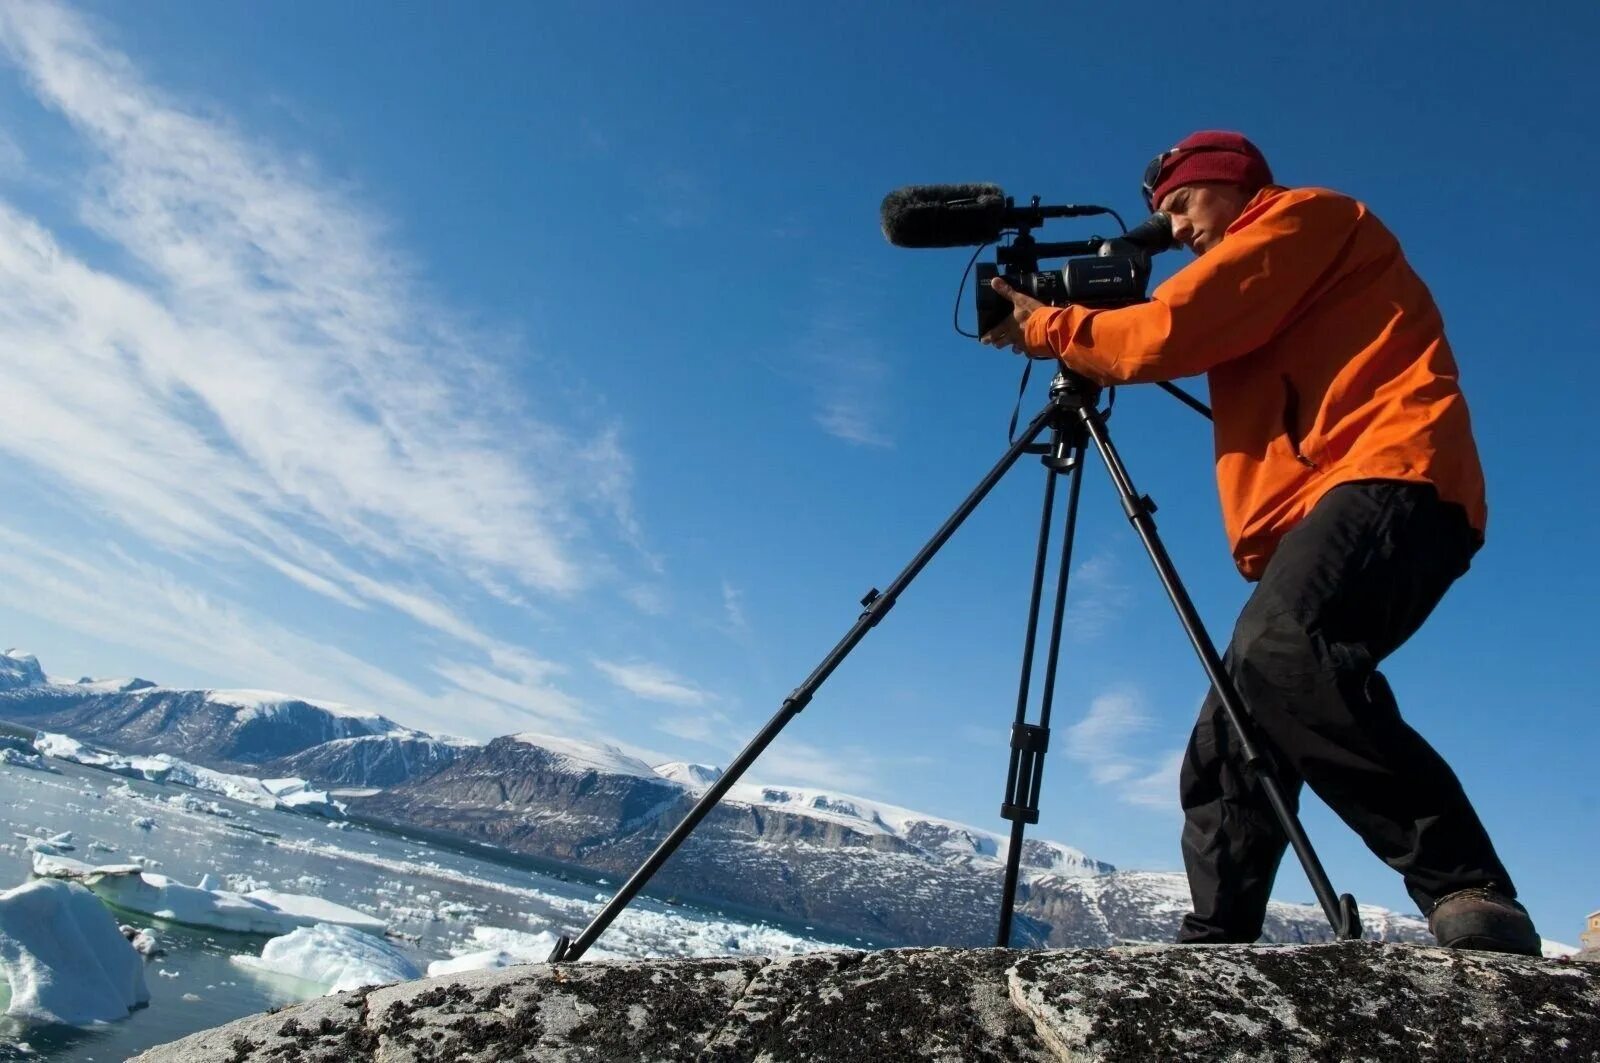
(1030, 742)
(1341, 910)
(875, 606)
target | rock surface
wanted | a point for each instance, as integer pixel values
(1347, 1001)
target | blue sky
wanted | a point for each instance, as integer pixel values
(536, 367)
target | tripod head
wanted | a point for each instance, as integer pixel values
(1073, 390)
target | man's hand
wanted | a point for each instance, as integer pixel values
(1009, 333)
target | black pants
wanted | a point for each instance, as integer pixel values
(1345, 588)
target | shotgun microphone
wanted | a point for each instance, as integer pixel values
(961, 215)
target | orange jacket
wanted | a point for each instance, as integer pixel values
(1325, 355)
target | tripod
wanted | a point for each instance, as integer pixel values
(1074, 421)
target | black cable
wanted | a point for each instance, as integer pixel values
(955, 315)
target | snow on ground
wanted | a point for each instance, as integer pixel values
(697, 777)
(270, 703)
(134, 889)
(1555, 950)
(866, 816)
(120, 685)
(333, 956)
(64, 958)
(580, 756)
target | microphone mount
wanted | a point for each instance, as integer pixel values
(1034, 214)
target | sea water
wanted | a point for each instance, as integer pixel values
(431, 898)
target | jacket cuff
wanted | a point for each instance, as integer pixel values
(1036, 332)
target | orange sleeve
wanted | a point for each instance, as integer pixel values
(1226, 303)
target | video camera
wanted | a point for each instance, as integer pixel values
(1100, 271)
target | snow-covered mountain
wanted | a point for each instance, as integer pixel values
(697, 777)
(373, 760)
(889, 874)
(19, 670)
(219, 728)
(886, 873)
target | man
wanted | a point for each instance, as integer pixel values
(1351, 493)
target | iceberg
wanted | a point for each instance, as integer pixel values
(498, 947)
(132, 888)
(292, 795)
(64, 957)
(15, 758)
(333, 956)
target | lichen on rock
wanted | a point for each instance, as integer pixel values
(1346, 1001)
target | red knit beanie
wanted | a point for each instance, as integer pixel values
(1209, 155)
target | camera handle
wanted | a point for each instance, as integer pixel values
(1075, 420)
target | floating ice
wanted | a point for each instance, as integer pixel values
(294, 795)
(131, 887)
(64, 957)
(497, 947)
(15, 758)
(63, 747)
(333, 956)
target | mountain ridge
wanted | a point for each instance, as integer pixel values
(888, 874)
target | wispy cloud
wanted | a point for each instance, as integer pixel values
(653, 683)
(798, 763)
(849, 398)
(272, 368)
(257, 377)
(733, 608)
(1101, 742)
(1097, 596)
(1157, 788)
(847, 374)
(118, 598)
(711, 728)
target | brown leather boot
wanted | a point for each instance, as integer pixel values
(1485, 920)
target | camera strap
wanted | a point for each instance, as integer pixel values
(1016, 411)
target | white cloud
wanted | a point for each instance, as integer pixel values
(796, 763)
(1096, 596)
(115, 597)
(848, 377)
(242, 372)
(269, 381)
(1098, 740)
(1101, 741)
(653, 683)
(1158, 787)
(847, 416)
(711, 728)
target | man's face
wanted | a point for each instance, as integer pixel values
(1202, 211)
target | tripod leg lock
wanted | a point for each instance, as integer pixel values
(1030, 738)
(1142, 506)
(1029, 743)
(875, 605)
(796, 701)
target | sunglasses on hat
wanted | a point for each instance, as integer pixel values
(1158, 166)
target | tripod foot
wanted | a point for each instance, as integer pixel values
(559, 953)
(1349, 919)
